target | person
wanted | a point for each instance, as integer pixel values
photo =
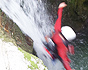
(61, 38)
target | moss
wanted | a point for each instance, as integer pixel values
(30, 67)
(28, 57)
(6, 38)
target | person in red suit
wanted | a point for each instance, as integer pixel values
(61, 36)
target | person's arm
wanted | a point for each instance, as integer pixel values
(58, 21)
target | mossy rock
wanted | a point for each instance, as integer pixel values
(78, 9)
(35, 62)
(11, 30)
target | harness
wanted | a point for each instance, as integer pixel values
(51, 46)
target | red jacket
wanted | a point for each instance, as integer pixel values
(62, 49)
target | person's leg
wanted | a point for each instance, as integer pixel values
(63, 55)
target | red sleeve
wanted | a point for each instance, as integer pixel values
(58, 21)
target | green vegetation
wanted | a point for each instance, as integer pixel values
(29, 57)
(6, 38)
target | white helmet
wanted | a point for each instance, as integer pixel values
(68, 33)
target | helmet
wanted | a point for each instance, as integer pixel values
(68, 33)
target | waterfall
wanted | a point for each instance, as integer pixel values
(35, 21)
(29, 16)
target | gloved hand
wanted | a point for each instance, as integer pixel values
(71, 49)
(62, 5)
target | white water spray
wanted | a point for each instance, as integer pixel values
(34, 21)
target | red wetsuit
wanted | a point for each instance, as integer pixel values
(62, 49)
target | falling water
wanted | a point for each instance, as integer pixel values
(29, 15)
(34, 21)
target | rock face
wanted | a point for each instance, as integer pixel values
(78, 9)
(12, 59)
(76, 13)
